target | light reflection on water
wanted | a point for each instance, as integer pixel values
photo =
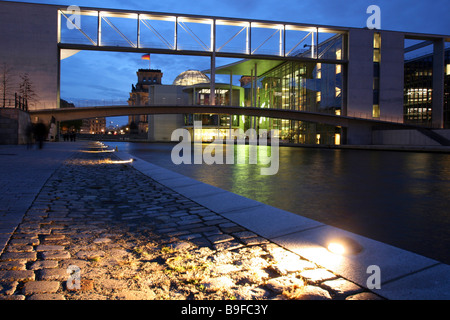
(400, 198)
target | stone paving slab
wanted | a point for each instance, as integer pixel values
(430, 283)
(281, 222)
(401, 270)
(393, 262)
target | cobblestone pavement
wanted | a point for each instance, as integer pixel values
(102, 230)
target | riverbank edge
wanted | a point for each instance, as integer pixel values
(400, 148)
(388, 271)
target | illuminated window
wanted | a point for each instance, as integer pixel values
(338, 54)
(376, 55)
(377, 40)
(318, 96)
(448, 70)
(376, 111)
(338, 68)
(319, 71)
(376, 47)
(337, 139)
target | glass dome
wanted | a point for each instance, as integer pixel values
(190, 77)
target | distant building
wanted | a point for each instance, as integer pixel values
(93, 126)
(139, 95)
(191, 87)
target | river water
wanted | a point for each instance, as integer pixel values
(399, 198)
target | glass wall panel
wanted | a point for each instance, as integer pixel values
(418, 90)
(303, 86)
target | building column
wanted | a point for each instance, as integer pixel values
(212, 94)
(438, 84)
(230, 97)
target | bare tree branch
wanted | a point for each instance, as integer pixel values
(26, 89)
(6, 84)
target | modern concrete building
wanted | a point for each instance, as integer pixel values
(29, 44)
(191, 87)
(325, 70)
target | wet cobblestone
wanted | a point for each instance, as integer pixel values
(132, 238)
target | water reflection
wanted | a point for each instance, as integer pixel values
(398, 198)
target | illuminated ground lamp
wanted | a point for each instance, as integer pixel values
(98, 151)
(344, 246)
(121, 161)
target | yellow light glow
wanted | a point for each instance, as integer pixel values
(337, 139)
(119, 161)
(344, 246)
(97, 151)
(336, 248)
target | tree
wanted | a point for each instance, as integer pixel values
(6, 83)
(26, 89)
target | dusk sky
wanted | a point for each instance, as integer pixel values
(109, 75)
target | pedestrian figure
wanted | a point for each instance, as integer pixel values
(40, 132)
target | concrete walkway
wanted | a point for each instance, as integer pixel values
(23, 173)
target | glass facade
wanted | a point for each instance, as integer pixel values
(302, 86)
(190, 77)
(418, 93)
(313, 87)
(376, 74)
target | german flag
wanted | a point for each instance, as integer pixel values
(146, 56)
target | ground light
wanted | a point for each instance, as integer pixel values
(336, 248)
(344, 246)
(97, 151)
(120, 161)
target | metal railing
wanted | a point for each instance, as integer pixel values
(96, 102)
(363, 115)
(18, 102)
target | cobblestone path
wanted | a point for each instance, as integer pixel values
(102, 230)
